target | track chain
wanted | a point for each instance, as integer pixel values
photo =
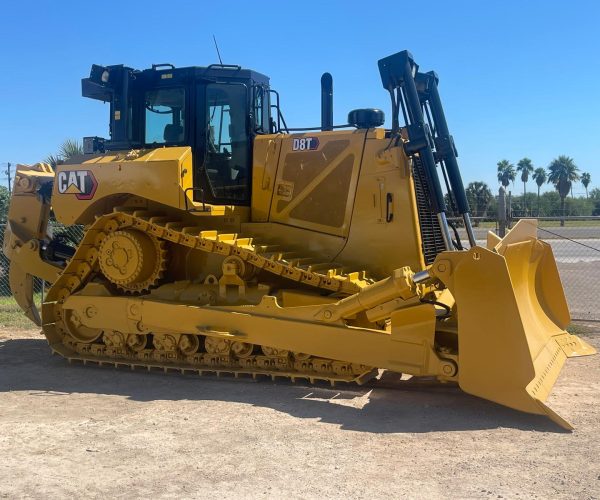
(84, 264)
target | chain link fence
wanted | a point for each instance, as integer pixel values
(576, 247)
(577, 252)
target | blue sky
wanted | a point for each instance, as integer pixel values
(517, 78)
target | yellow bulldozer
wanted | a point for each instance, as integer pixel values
(217, 239)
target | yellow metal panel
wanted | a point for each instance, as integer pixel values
(414, 327)
(26, 227)
(511, 317)
(314, 189)
(269, 324)
(161, 175)
(28, 212)
(313, 192)
(523, 230)
(384, 245)
(264, 169)
(492, 240)
(323, 246)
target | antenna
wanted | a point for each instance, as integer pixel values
(217, 47)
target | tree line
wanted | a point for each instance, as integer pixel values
(562, 173)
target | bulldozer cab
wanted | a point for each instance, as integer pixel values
(216, 110)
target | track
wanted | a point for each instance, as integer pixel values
(194, 352)
(369, 380)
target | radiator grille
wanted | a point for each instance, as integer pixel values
(431, 234)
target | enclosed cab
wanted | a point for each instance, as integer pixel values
(216, 110)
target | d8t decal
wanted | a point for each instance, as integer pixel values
(305, 144)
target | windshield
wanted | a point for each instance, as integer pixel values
(165, 120)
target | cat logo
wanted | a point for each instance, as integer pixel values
(81, 183)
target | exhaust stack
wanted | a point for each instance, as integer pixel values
(326, 102)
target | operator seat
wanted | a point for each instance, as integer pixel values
(173, 133)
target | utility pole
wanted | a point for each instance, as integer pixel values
(509, 210)
(9, 181)
(502, 212)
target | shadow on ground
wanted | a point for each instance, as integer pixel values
(26, 365)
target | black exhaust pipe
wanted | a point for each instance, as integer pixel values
(326, 102)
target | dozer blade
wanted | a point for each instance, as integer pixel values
(512, 316)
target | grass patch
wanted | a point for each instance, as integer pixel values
(546, 223)
(569, 223)
(486, 224)
(11, 315)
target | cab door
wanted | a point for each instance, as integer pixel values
(223, 160)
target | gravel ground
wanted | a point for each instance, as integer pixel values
(74, 431)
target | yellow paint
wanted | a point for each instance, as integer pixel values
(313, 280)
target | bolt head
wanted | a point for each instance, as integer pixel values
(448, 369)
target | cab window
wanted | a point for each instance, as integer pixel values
(164, 116)
(261, 110)
(227, 152)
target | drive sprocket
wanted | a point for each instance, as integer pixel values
(132, 260)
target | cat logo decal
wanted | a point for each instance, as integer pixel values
(81, 183)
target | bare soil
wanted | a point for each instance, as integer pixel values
(74, 431)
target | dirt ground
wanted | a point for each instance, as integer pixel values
(74, 431)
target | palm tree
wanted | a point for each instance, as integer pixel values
(479, 197)
(506, 172)
(562, 173)
(586, 178)
(539, 176)
(68, 149)
(525, 167)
